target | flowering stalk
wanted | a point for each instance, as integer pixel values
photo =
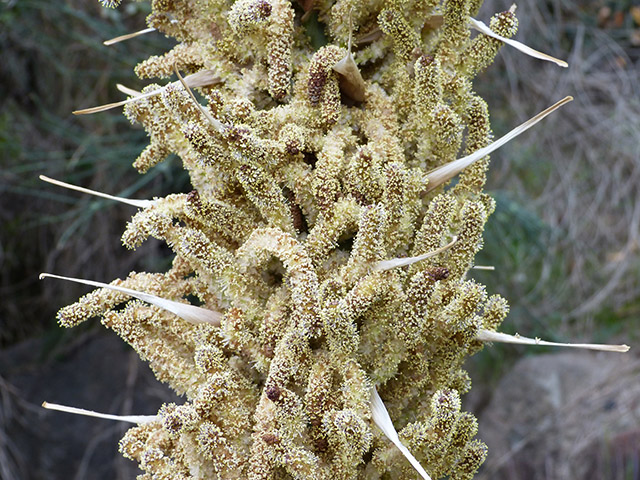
(329, 257)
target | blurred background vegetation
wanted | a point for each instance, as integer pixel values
(563, 240)
(565, 235)
(54, 62)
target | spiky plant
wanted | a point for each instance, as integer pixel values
(325, 243)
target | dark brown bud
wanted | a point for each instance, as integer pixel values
(299, 221)
(264, 9)
(315, 85)
(273, 393)
(321, 444)
(438, 273)
(193, 197)
(270, 438)
(292, 147)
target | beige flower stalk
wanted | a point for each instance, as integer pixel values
(336, 210)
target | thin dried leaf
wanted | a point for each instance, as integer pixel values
(402, 262)
(381, 418)
(128, 91)
(491, 336)
(482, 27)
(351, 81)
(128, 201)
(137, 419)
(189, 313)
(370, 36)
(195, 80)
(215, 123)
(441, 174)
(122, 38)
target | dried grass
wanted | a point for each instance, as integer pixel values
(579, 172)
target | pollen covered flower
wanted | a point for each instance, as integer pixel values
(322, 258)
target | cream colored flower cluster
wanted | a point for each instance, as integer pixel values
(323, 240)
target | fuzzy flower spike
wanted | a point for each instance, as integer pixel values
(326, 258)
